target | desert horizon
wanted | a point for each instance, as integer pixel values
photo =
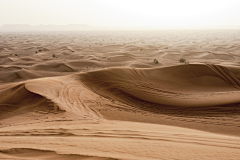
(119, 80)
(8, 28)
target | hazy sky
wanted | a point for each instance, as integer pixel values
(121, 12)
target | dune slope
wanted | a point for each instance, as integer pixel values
(194, 91)
(183, 86)
(127, 95)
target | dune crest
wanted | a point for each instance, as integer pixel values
(184, 85)
(134, 95)
(193, 85)
(45, 96)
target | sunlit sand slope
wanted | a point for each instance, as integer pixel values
(113, 140)
(181, 86)
(196, 90)
(196, 85)
(76, 111)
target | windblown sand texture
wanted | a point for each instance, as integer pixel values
(98, 95)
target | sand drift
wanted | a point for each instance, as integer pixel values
(127, 95)
(195, 85)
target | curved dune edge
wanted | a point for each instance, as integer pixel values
(185, 85)
(67, 95)
(44, 96)
(17, 100)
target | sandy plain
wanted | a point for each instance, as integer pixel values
(100, 95)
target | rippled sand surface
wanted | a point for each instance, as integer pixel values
(120, 95)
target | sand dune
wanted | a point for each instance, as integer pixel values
(57, 66)
(176, 86)
(102, 95)
(211, 91)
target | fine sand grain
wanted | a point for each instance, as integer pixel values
(105, 95)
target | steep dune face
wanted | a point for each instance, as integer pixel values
(195, 85)
(46, 96)
(196, 90)
(184, 85)
(67, 93)
(17, 100)
(199, 88)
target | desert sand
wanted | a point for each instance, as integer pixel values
(99, 95)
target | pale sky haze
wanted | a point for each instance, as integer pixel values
(154, 13)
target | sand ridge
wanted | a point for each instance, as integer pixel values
(101, 95)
